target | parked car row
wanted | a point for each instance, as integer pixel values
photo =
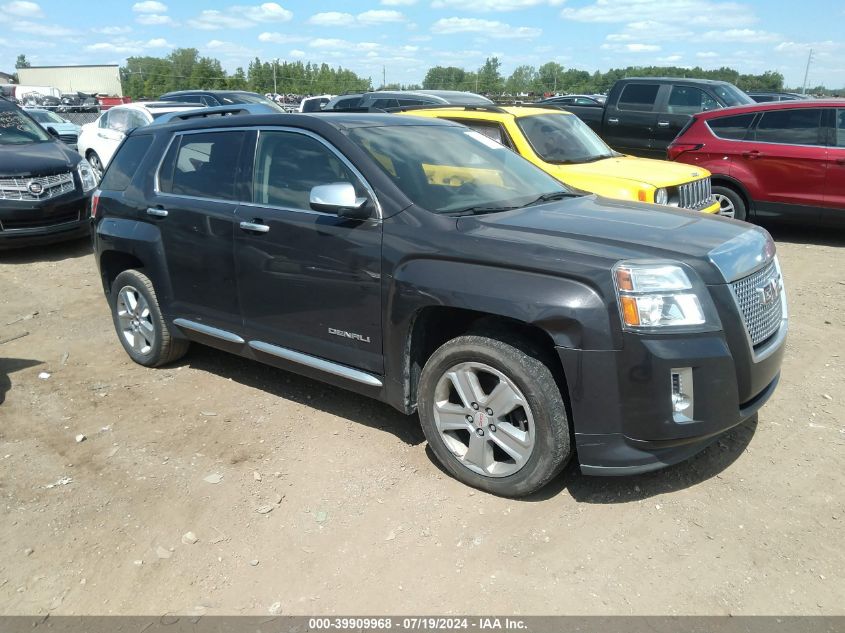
(425, 264)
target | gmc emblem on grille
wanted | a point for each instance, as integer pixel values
(769, 292)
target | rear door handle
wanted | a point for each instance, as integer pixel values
(613, 121)
(159, 213)
(255, 227)
(663, 124)
(752, 154)
(840, 161)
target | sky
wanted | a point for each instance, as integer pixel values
(403, 38)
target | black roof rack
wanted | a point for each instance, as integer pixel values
(458, 106)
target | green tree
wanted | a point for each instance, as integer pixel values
(490, 80)
(549, 76)
(22, 62)
(522, 80)
(237, 81)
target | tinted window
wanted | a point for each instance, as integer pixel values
(563, 139)
(347, 104)
(490, 130)
(840, 128)
(731, 127)
(126, 162)
(763, 98)
(689, 100)
(639, 97)
(790, 127)
(18, 129)
(731, 95)
(136, 119)
(289, 165)
(202, 165)
(385, 103)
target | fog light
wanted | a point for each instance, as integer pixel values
(682, 393)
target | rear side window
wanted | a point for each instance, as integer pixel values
(347, 104)
(731, 127)
(202, 165)
(385, 103)
(840, 128)
(689, 100)
(791, 127)
(640, 97)
(126, 162)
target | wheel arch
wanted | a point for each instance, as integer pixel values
(722, 180)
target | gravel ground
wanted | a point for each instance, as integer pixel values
(326, 502)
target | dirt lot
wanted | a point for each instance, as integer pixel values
(360, 518)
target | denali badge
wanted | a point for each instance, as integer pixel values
(769, 292)
(352, 335)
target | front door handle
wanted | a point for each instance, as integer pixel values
(255, 227)
(159, 213)
(663, 124)
(752, 154)
(840, 161)
(613, 121)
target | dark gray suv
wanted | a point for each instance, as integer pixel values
(420, 263)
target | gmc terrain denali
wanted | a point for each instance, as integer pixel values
(419, 262)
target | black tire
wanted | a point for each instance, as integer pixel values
(551, 444)
(740, 210)
(164, 348)
(96, 163)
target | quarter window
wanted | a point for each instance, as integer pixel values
(490, 130)
(731, 127)
(202, 165)
(126, 162)
(640, 97)
(288, 165)
(689, 100)
(791, 127)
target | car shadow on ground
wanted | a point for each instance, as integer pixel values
(312, 393)
(9, 366)
(47, 253)
(795, 234)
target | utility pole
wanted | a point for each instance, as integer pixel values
(383, 77)
(807, 72)
(275, 62)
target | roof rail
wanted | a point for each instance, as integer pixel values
(545, 106)
(456, 106)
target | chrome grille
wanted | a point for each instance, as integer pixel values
(695, 195)
(51, 186)
(761, 319)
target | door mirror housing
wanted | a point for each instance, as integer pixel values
(53, 132)
(339, 198)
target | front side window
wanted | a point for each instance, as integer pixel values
(288, 165)
(731, 95)
(563, 139)
(840, 128)
(450, 169)
(202, 165)
(18, 129)
(45, 116)
(136, 119)
(639, 97)
(347, 104)
(731, 127)
(689, 100)
(791, 127)
(119, 120)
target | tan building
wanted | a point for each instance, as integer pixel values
(5, 78)
(91, 79)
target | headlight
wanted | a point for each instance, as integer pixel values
(656, 295)
(86, 176)
(661, 196)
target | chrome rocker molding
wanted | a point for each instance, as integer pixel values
(316, 363)
(201, 328)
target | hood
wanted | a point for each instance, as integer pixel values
(598, 232)
(62, 128)
(36, 159)
(608, 176)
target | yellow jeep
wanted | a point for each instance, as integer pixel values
(565, 147)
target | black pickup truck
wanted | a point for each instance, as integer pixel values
(419, 262)
(643, 115)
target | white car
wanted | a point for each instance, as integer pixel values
(314, 104)
(99, 139)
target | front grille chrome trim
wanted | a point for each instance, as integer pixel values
(51, 187)
(695, 195)
(765, 323)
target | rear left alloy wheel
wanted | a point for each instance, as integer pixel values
(139, 324)
(96, 164)
(493, 415)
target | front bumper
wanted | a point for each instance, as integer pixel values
(713, 208)
(27, 223)
(622, 399)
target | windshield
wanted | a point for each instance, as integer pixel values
(245, 97)
(563, 139)
(732, 96)
(451, 169)
(18, 129)
(45, 116)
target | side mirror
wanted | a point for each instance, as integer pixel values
(340, 198)
(53, 132)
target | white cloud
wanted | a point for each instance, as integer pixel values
(633, 47)
(23, 9)
(670, 59)
(297, 54)
(240, 17)
(707, 55)
(489, 6)
(280, 38)
(672, 12)
(40, 28)
(747, 36)
(398, 3)
(113, 30)
(122, 45)
(150, 6)
(489, 28)
(367, 18)
(153, 18)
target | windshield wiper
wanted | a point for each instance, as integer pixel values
(479, 210)
(552, 195)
